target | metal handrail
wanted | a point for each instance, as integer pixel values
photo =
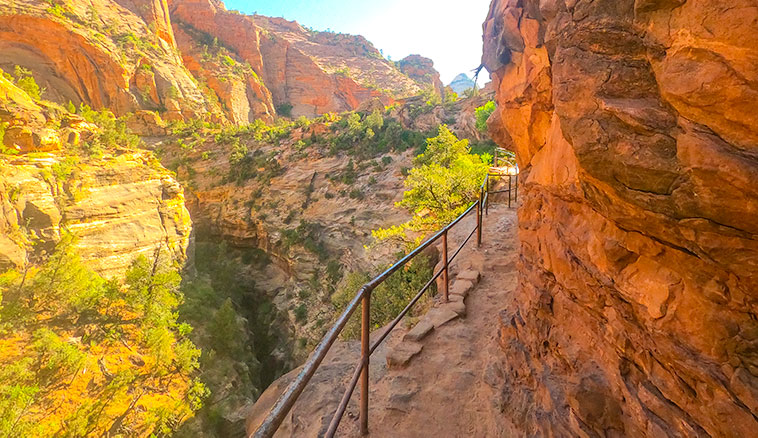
(284, 404)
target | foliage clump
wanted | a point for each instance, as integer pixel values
(388, 299)
(482, 114)
(25, 81)
(82, 355)
(445, 180)
(112, 132)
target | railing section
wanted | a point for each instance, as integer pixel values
(284, 404)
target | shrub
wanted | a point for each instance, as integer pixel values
(226, 59)
(63, 169)
(301, 313)
(284, 110)
(112, 133)
(26, 82)
(3, 127)
(356, 194)
(482, 114)
(388, 299)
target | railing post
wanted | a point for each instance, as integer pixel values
(510, 181)
(486, 204)
(516, 196)
(365, 357)
(479, 223)
(445, 272)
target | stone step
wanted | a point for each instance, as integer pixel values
(402, 353)
(456, 298)
(440, 316)
(461, 287)
(471, 275)
(456, 306)
(419, 332)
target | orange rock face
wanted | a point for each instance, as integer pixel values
(421, 70)
(314, 72)
(130, 55)
(634, 125)
(99, 54)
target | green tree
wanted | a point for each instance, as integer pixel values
(225, 331)
(482, 114)
(26, 82)
(444, 182)
(60, 317)
(64, 282)
(374, 121)
(18, 392)
(153, 291)
(442, 149)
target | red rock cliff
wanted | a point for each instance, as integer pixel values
(313, 72)
(636, 132)
(422, 70)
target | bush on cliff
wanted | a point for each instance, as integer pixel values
(81, 355)
(26, 82)
(112, 132)
(388, 299)
(444, 182)
(482, 114)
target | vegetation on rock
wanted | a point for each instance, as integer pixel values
(445, 180)
(482, 114)
(82, 355)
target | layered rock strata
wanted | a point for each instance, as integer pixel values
(635, 131)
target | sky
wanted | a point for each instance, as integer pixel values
(448, 32)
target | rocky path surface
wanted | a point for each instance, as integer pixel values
(450, 388)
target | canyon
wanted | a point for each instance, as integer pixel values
(245, 160)
(634, 130)
(245, 156)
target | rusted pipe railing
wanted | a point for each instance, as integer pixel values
(365, 358)
(445, 270)
(284, 404)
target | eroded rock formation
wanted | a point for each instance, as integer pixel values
(421, 70)
(635, 128)
(118, 206)
(307, 72)
(188, 58)
(116, 55)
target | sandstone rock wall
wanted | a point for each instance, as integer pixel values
(118, 208)
(635, 128)
(314, 72)
(421, 70)
(99, 54)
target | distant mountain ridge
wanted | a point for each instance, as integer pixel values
(462, 83)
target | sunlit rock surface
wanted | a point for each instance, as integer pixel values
(635, 128)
